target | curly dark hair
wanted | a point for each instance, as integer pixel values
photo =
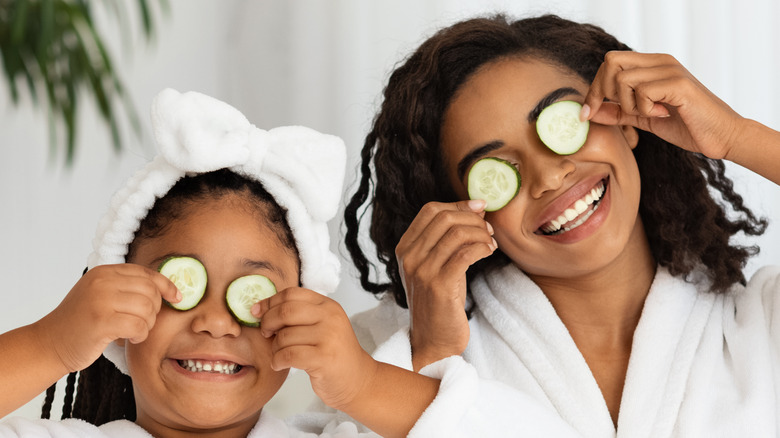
(103, 393)
(685, 224)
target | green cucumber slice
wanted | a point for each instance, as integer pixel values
(189, 276)
(560, 128)
(244, 292)
(495, 180)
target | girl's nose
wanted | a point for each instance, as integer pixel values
(548, 172)
(211, 316)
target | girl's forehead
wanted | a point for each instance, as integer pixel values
(224, 233)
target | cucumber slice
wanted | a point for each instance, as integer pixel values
(189, 276)
(244, 292)
(495, 180)
(560, 129)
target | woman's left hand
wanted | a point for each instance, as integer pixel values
(655, 93)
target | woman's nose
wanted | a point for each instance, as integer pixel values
(548, 172)
(213, 317)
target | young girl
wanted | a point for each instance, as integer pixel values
(608, 288)
(240, 202)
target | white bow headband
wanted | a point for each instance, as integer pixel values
(301, 168)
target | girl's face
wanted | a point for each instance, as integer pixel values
(230, 238)
(494, 115)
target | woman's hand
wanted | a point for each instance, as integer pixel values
(109, 302)
(313, 333)
(433, 256)
(655, 93)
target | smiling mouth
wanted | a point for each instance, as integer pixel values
(577, 214)
(207, 366)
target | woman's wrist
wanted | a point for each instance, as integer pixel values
(756, 147)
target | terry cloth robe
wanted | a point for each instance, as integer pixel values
(267, 426)
(702, 364)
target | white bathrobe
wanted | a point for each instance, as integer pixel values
(702, 364)
(267, 426)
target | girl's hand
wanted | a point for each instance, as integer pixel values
(655, 93)
(433, 256)
(109, 302)
(313, 333)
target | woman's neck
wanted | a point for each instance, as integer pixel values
(601, 311)
(604, 306)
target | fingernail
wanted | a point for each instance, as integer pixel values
(476, 204)
(494, 245)
(584, 112)
(178, 295)
(256, 309)
(489, 228)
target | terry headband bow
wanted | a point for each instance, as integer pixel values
(301, 168)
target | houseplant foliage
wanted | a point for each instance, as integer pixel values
(54, 50)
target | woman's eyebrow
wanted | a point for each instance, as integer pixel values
(472, 156)
(549, 99)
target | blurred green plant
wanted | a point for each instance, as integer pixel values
(55, 48)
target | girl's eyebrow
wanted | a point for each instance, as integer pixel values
(252, 264)
(549, 99)
(472, 156)
(264, 265)
(162, 258)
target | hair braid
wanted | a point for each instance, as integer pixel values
(47, 401)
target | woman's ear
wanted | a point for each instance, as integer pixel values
(630, 134)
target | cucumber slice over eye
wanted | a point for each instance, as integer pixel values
(244, 292)
(189, 276)
(560, 129)
(495, 180)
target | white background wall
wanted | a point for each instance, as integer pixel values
(323, 64)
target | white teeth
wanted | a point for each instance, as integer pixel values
(197, 366)
(580, 206)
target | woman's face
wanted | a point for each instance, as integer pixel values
(494, 115)
(231, 239)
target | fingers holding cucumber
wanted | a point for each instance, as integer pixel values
(497, 181)
(109, 302)
(313, 333)
(190, 277)
(655, 93)
(433, 256)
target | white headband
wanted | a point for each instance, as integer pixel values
(301, 168)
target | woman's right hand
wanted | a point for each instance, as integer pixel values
(433, 256)
(109, 302)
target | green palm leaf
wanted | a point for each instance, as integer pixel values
(54, 48)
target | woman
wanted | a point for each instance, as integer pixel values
(633, 316)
